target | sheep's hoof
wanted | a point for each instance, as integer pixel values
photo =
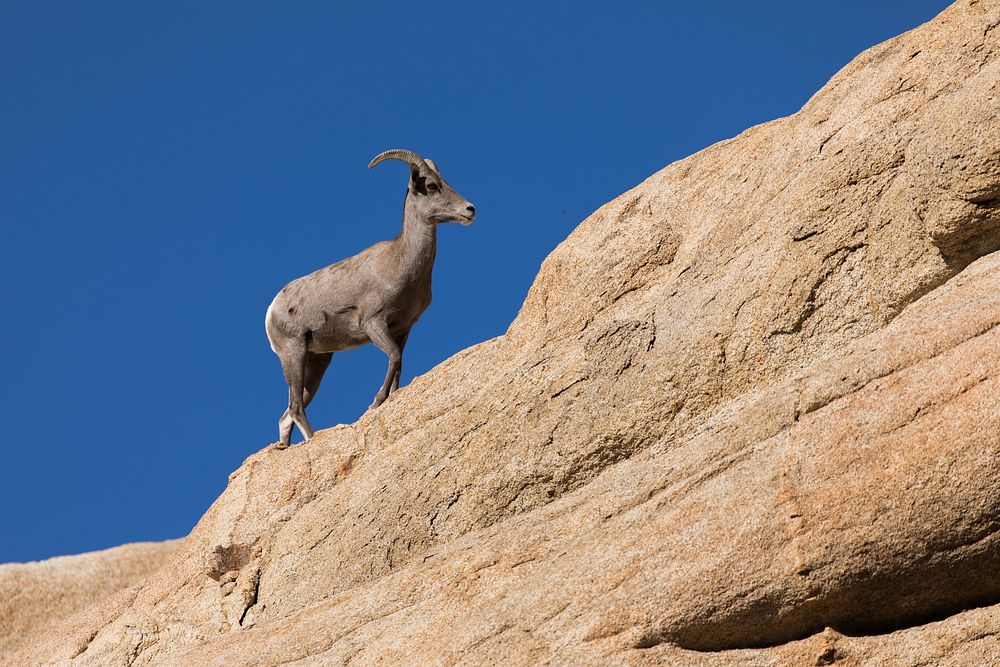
(279, 445)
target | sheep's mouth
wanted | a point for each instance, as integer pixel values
(464, 220)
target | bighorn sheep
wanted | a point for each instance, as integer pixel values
(375, 296)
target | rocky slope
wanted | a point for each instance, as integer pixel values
(752, 399)
(35, 597)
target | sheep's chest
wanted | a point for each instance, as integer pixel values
(408, 312)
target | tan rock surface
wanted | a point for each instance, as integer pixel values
(754, 397)
(34, 597)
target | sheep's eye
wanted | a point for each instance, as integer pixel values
(432, 187)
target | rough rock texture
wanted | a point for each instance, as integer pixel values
(754, 398)
(36, 596)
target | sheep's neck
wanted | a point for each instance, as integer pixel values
(419, 242)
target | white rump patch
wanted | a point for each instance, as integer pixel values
(267, 320)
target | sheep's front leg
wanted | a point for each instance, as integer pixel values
(293, 362)
(378, 332)
(401, 341)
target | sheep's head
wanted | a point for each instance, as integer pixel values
(433, 197)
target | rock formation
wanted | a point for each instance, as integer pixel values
(35, 597)
(749, 414)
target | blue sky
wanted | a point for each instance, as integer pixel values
(166, 167)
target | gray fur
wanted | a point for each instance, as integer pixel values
(375, 296)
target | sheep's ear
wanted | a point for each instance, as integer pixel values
(430, 163)
(418, 183)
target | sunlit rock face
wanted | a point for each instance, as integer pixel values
(36, 597)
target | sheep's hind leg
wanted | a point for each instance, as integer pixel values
(293, 363)
(285, 425)
(316, 365)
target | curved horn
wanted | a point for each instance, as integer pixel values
(400, 154)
